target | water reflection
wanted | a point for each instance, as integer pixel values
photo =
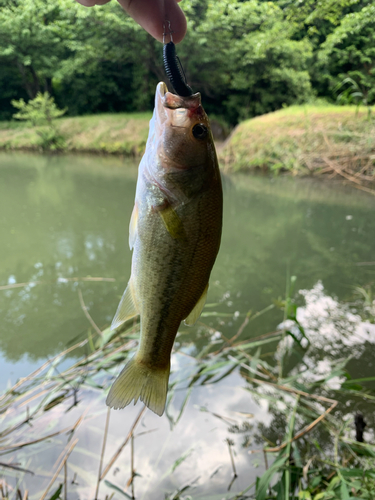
(189, 445)
(65, 217)
(55, 225)
(331, 326)
(338, 353)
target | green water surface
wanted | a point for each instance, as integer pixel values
(67, 217)
(64, 220)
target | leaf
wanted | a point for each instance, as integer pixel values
(178, 462)
(262, 486)
(116, 488)
(304, 495)
(344, 491)
(319, 496)
(362, 448)
(225, 374)
(110, 360)
(255, 344)
(91, 342)
(214, 367)
(279, 487)
(357, 380)
(107, 335)
(316, 481)
(350, 386)
(216, 314)
(184, 403)
(357, 473)
(56, 495)
(296, 455)
(54, 402)
(333, 483)
(269, 397)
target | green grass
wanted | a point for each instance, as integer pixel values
(305, 139)
(120, 133)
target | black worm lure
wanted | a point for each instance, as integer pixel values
(173, 70)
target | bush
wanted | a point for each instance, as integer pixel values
(42, 111)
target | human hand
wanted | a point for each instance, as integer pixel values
(151, 15)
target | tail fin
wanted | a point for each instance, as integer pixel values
(138, 381)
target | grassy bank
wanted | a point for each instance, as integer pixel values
(120, 133)
(109, 133)
(334, 140)
(304, 140)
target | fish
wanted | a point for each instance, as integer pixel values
(175, 232)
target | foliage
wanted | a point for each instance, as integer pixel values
(256, 66)
(351, 93)
(266, 54)
(40, 110)
(348, 52)
(55, 46)
(97, 59)
(31, 39)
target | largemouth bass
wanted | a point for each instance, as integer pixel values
(175, 232)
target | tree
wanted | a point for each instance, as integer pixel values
(240, 55)
(324, 21)
(349, 52)
(243, 59)
(31, 40)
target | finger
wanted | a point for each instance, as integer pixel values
(152, 14)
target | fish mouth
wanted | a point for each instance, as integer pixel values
(173, 101)
(175, 110)
(162, 89)
(160, 112)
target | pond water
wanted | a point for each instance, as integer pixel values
(64, 232)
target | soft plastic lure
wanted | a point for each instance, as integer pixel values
(173, 69)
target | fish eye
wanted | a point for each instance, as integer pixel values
(200, 131)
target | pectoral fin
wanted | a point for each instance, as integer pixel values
(196, 312)
(126, 308)
(133, 226)
(173, 223)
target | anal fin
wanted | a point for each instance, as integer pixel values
(126, 308)
(197, 310)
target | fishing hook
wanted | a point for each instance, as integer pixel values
(173, 66)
